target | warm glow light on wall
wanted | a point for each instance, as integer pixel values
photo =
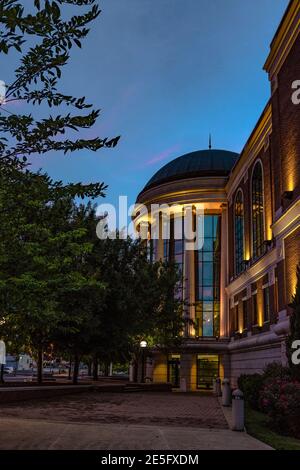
(260, 309)
(269, 232)
(247, 254)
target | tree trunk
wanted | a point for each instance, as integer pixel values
(90, 368)
(106, 369)
(2, 374)
(40, 367)
(135, 370)
(70, 369)
(76, 369)
(95, 369)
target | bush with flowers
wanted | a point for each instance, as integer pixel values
(280, 399)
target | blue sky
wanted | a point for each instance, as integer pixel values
(165, 74)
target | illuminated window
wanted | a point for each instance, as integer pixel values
(174, 250)
(258, 246)
(239, 232)
(207, 263)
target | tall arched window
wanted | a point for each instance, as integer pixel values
(239, 232)
(257, 212)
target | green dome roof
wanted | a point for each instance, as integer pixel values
(200, 163)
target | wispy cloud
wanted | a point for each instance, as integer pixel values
(163, 155)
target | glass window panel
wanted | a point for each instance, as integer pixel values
(208, 256)
(208, 293)
(258, 246)
(208, 244)
(208, 227)
(208, 278)
(208, 272)
(199, 292)
(178, 246)
(208, 306)
(208, 324)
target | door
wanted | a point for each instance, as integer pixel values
(174, 370)
(207, 370)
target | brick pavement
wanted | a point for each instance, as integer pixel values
(171, 409)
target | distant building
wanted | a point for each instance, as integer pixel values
(240, 283)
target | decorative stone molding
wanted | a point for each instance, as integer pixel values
(287, 221)
(259, 269)
(283, 326)
(255, 341)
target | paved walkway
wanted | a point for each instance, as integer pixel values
(164, 409)
(22, 434)
(104, 421)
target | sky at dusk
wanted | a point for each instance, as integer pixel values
(165, 74)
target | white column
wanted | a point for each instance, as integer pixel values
(224, 317)
(189, 284)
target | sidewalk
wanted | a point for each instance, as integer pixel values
(29, 434)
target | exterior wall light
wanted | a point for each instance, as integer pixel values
(143, 345)
(287, 195)
(268, 243)
(246, 263)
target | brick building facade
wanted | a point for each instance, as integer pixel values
(251, 204)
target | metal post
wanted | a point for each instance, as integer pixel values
(218, 387)
(143, 365)
(238, 411)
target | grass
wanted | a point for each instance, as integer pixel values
(257, 426)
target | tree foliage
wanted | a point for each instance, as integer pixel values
(53, 34)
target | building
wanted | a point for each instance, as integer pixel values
(240, 283)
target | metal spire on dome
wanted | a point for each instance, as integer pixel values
(209, 143)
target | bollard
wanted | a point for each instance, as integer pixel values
(183, 387)
(218, 387)
(214, 387)
(226, 393)
(238, 411)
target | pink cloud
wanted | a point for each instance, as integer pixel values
(163, 155)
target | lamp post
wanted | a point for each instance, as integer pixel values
(2, 354)
(143, 345)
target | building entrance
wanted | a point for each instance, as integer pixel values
(207, 370)
(174, 370)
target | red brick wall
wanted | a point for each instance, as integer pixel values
(265, 157)
(292, 259)
(286, 129)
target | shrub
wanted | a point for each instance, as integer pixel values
(251, 386)
(275, 370)
(280, 399)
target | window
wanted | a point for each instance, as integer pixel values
(207, 268)
(258, 246)
(255, 309)
(174, 249)
(266, 304)
(236, 318)
(239, 232)
(245, 316)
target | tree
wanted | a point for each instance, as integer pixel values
(36, 78)
(294, 327)
(39, 247)
(40, 255)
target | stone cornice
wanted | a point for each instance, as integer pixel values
(191, 190)
(255, 272)
(288, 221)
(284, 39)
(252, 148)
